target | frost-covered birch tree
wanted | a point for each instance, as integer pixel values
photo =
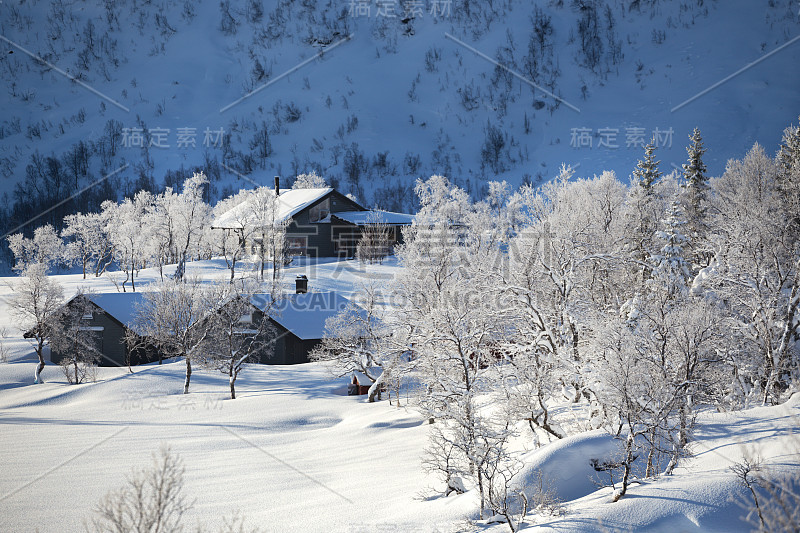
(374, 245)
(45, 248)
(35, 304)
(167, 317)
(628, 382)
(269, 229)
(568, 264)
(233, 334)
(87, 241)
(453, 314)
(232, 241)
(191, 214)
(129, 235)
(756, 274)
(788, 160)
(160, 220)
(309, 181)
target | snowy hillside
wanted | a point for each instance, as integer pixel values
(373, 98)
(703, 495)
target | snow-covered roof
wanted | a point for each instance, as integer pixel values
(303, 314)
(291, 202)
(362, 218)
(362, 379)
(120, 305)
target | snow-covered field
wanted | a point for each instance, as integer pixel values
(294, 453)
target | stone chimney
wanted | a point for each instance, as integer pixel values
(277, 185)
(301, 284)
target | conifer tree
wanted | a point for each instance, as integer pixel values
(646, 172)
(642, 215)
(696, 194)
(670, 268)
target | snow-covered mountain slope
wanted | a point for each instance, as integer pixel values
(372, 102)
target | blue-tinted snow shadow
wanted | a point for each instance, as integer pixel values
(17, 376)
(279, 426)
(398, 424)
(15, 384)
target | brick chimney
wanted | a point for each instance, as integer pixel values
(277, 185)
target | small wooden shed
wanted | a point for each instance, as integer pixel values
(359, 385)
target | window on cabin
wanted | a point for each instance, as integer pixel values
(254, 245)
(246, 318)
(297, 245)
(88, 315)
(320, 211)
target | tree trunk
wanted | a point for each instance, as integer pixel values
(188, 375)
(262, 256)
(480, 491)
(650, 470)
(181, 270)
(374, 392)
(683, 436)
(627, 471)
(232, 380)
(181, 267)
(673, 461)
(544, 423)
(40, 366)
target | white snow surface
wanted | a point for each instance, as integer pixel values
(291, 202)
(120, 305)
(293, 452)
(361, 218)
(304, 314)
(701, 496)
